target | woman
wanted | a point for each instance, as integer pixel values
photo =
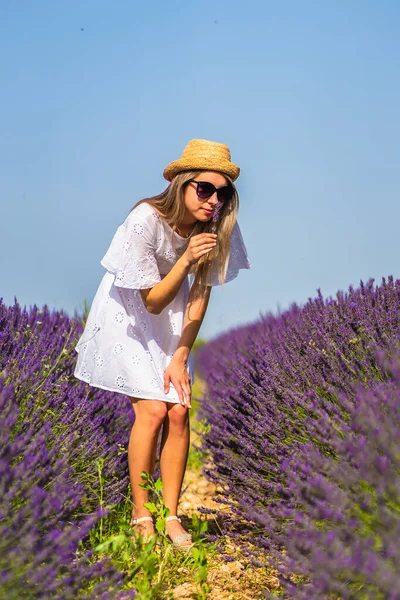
(161, 265)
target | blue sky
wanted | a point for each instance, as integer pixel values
(97, 97)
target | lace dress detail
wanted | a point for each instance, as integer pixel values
(123, 347)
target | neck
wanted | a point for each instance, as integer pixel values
(184, 232)
(186, 228)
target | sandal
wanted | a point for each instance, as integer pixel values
(182, 537)
(147, 536)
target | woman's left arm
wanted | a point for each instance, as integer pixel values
(176, 371)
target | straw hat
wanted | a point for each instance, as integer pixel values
(206, 156)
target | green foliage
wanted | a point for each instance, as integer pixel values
(157, 508)
(153, 569)
(200, 561)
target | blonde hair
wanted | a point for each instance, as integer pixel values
(170, 204)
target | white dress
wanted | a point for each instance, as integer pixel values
(123, 347)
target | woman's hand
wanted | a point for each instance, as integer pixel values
(198, 245)
(176, 373)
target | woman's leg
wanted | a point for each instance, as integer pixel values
(173, 459)
(149, 416)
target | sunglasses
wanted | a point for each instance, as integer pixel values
(205, 190)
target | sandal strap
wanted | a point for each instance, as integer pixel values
(141, 520)
(173, 518)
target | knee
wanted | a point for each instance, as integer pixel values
(178, 417)
(152, 414)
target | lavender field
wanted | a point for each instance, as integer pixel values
(54, 434)
(302, 436)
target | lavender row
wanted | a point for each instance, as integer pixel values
(37, 353)
(39, 532)
(343, 524)
(281, 407)
(53, 430)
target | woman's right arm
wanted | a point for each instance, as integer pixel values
(158, 297)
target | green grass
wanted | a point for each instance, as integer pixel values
(152, 568)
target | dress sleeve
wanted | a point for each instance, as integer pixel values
(131, 255)
(238, 259)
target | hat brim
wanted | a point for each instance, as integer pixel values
(221, 166)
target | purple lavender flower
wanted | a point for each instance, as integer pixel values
(215, 217)
(300, 451)
(39, 533)
(52, 432)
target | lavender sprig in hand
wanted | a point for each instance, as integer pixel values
(215, 218)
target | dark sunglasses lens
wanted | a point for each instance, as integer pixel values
(205, 190)
(225, 193)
